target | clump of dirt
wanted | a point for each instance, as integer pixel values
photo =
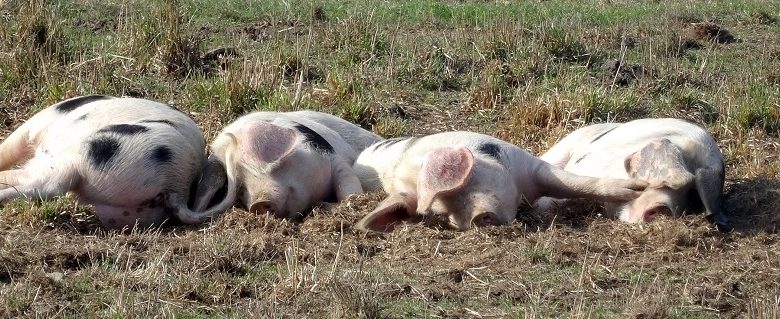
(264, 30)
(335, 217)
(218, 58)
(711, 31)
(257, 31)
(752, 204)
(97, 25)
(621, 73)
(318, 14)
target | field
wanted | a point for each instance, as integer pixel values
(528, 72)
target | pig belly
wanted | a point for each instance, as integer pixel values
(118, 216)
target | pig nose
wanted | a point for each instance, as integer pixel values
(485, 219)
(656, 211)
(262, 207)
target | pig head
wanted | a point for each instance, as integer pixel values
(134, 160)
(680, 161)
(286, 162)
(467, 179)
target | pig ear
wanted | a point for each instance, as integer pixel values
(631, 163)
(676, 176)
(267, 142)
(443, 171)
(390, 212)
(709, 186)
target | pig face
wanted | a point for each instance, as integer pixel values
(280, 175)
(662, 165)
(450, 183)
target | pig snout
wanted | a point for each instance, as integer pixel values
(655, 211)
(485, 219)
(266, 206)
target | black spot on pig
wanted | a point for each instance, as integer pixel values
(81, 118)
(73, 104)
(490, 149)
(162, 154)
(602, 134)
(390, 142)
(124, 129)
(160, 121)
(102, 150)
(581, 158)
(314, 139)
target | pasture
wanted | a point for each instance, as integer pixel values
(528, 72)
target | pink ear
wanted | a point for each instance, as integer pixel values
(443, 171)
(266, 142)
(631, 163)
(390, 212)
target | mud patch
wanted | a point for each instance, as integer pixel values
(710, 31)
(620, 73)
(752, 204)
(73, 260)
(218, 59)
(264, 30)
(96, 25)
(10, 270)
(574, 213)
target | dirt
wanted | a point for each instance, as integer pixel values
(264, 30)
(711, 31)
(621, 73)
(96, 25)
(753, 205)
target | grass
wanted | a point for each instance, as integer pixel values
(528, 72)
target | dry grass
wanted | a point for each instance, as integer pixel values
(525, 72)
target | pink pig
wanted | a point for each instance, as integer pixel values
(470, 178)
(134, 160)
(286, 162)
(680, 161)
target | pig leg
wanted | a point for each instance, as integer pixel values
(212, 180)
(345, 181)
(709, 185)
(391, 212)
(12, 178)
(15, 149)
(42, 189)
(558, 183)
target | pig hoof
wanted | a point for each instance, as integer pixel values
(721, 223)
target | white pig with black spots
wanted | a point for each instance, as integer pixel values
(134, 160)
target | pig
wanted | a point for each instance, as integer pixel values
(469, 178)
(680, 161)
(134, 160)
(286, 162)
